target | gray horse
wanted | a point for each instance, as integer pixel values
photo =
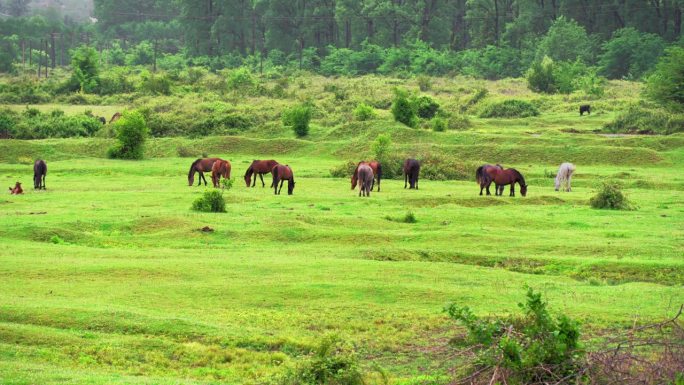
(564, 176)
(365, 177)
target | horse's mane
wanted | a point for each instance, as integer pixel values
(192, 167)
(519, 175)
(249, 171)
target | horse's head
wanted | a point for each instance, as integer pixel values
(290, 187)
(191, 179)
(523, 189)
(353, 181)
(248, 179)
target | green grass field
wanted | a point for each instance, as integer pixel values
(107, 278)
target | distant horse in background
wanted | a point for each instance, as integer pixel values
(201, 166)
(115, 117)
(220, 168)
(365, 179)
(39, 172)
(564, 176)
(585, 108)
(508, 176)
(483, 178)
(16, 190)
(259, 167)
(280, 175)
(377, 173)
(102, 120)
(411, 172)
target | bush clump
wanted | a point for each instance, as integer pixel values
(439, 124)
(425, 107)
(131, 132)
(540, 76)
(610, 196)
(364, 112)
(402, 109)
(511, 108)
(298, 117)
(210, 202)
(640, 120)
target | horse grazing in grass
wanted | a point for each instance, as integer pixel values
(220, 168)
(259, 167)
(377, 173)
(115, 117)
(16, 190)
(39, 172)
(411, 172)
(102, 120)
(365, 178)
(585, 108)
(483, 178)
(509, 176)
(280, 175)
(201, 166)
(564, 176)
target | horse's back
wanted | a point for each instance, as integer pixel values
(40, 167)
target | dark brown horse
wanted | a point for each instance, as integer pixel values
(281, 174)
(201, 166)
(411, 172)
(483, 178)
(39, 172)
(259, 167)
(220, 168)
(509, 176)
(377, 173)
(115, 117)
(365, 179)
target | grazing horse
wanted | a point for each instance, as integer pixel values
(377, 173)
(564, 176)
(281, 174)
(585, 108)
(411, 171)
(509, 176)
(483, 178)
(201, 166)
(259, 167)
(115, 117)
(102, 120)
(16, 190)
(39, 172)
(365, 179)
(220, 168)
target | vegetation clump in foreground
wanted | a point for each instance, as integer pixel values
(210, 202)
(610, 196)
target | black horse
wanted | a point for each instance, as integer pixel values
(39, 172)
(411, 172)
(585, 108)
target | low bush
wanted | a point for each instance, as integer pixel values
(298, 117)
(155, 84)
(210, 202)
(425, 107)
(439, 124)
(610, 196)
(131, 132)
(474, 99)
(32, 124)
(424, 83)
(511, 108)
(641, 120)
(540, 76)
(402, 109)
(364, 112)
(458, 122)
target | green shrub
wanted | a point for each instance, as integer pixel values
(334, 362)
(424, 83)
(425, 107)
(458, 122)
(84, 63)
(473, 100)
(381, 147)
(344, 170)
(210, 202)
(155, 84)
(241, 80)
(402, 108)
(298, 117)
(131, 132)
(665, 84)
(439, 124)
(540, 76)
(640, 120)
(610, 196)
(511, 108)
(364, 112)
(533, 348)
(8, 119)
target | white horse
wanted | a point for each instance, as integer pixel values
(564, 176)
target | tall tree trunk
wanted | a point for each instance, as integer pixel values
(40, 56)
(53, 54)
(347, 33)
(677, 21)
(496, 22)
(428, 10)
(46, 59)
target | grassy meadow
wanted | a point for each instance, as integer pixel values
(108, 278)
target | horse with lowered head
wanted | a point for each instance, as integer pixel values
(280, 175)
(365, 179)
(377, 173)
(39, 172)
(483, 178)
(509, 176)
(201, 166)
(411, 172)
(259, 167)
(564, 176)
(220, 168)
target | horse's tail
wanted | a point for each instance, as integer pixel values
(379, 170)
(479, 175)
(275, 174)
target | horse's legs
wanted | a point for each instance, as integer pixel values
(281, 186)
(512, 189)
(405, 179)
(44, 188)
(262, 180)
(378, 185)
(568, 182)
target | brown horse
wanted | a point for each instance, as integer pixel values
(281, 174)
(411, 171)
(509, 176)
(259, 167)
(115, 117)
(377, 173)
(39, 172)
(220, 168)
(365, 178)
(483, 178)
(201, 166)
(16, 190)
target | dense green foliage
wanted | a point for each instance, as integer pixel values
(644, 120)
(210, 202)
(131, 133)
(610, 196)
(298, 117)
(665, 85)
(33, 124)
(510, 108)
(84, 64)
(403, 110)
(332, 362)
